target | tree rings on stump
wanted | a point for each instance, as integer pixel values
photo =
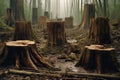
(23, 53)
(99, 58)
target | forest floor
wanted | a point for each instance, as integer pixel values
(62, 57)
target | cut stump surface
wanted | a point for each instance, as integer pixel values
(21, 54)
(99, 58)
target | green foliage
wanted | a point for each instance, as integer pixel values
(3, 26)
(3, 7)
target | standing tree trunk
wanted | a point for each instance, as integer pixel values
(56, 33)
(100, 31)
(10, 21)
(89, 13)
(40, 8)
(23, 31)
(34, 13)
(18, 9)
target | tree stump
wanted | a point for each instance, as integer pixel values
(69, 22)
(99, 58)
(56, 33)
(9, 20)
(42, 23)
(22, 53)
(89, 13)
(100, 31)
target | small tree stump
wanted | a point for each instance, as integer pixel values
(56, 33)
(42, 23)
(98, 57)
(69, 22)
(100, 31)
(22, 53)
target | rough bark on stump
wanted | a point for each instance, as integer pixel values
(98, 57)
(100, 31)
(89, 13)
(22, 53)
(69, 22)
(56, 33)
(23, 31)
(9, 20)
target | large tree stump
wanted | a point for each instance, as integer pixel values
(9, 20)
(69, 22)
(99, 58)
(89, 13)
(56, 33)
(22, 53)
(100, 31)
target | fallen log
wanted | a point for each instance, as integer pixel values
(67, 75)
(94, 75)
(23, 72)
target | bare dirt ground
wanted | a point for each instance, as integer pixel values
(62, 57)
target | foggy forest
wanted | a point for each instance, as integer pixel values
(59, 39)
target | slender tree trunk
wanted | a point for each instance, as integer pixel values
(105, 7)
(34, 13)
(89, 13)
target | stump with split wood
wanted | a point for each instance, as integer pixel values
(56, 33)
(100, 31)
(23, 52)
(99, 58)
(9, 20)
